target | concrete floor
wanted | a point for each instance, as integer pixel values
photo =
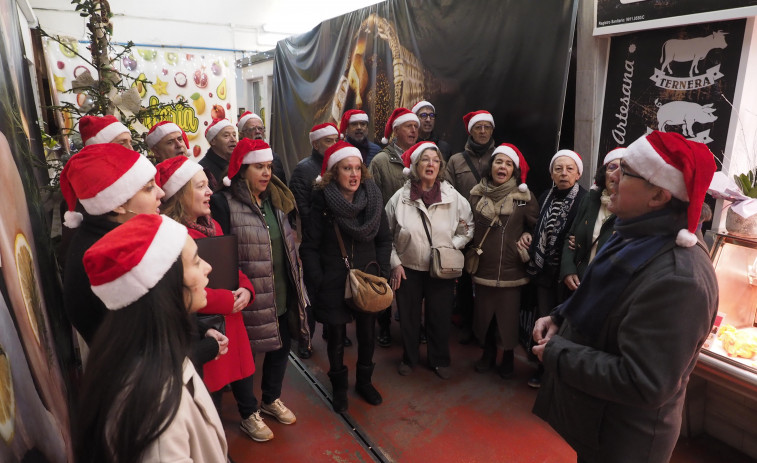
(469, 418)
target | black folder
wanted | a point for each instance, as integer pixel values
(222, 254)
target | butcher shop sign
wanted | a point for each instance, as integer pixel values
(679, 79)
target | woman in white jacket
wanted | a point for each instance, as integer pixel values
(425, 202)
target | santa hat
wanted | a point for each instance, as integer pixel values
(160, 130)
(571, 154)
(102, 177)
(512, 152)
(132, 258)
(322, 130)
(335, 153)
(216, 126)
(411, 155)
(174, 173)
(399, 116)
(353, 115)
(95, 129)
(246, 116)
(421, 104)
(471, 118)
(683, 167)
(614, 155)
(247, 152)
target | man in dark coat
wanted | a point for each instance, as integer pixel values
(251, 126)
(618, 353)
(223, 139)
(322, 136)
(354, 128)
(427, 115)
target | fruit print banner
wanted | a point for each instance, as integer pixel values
(36, 350)
(204, 79)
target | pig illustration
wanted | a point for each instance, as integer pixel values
(685, 114)
(694, 50)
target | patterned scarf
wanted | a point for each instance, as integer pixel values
(553, 217)
(203, 225)
(360, 218)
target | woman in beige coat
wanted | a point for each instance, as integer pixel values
(425, 203)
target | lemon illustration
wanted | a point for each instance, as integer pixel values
(7, 399)
(199, 102)
(28, 282)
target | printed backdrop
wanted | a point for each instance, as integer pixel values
(509, 57)
(204, 79)
(680, 79)
(616, 16)
(36, 350)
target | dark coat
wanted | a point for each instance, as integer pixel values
(620, 397)
(301, 183)
(215, 168)
(459, 173)
(85, 310)
(575, 261)
(443, 146)
(367, 149)
(325, 272)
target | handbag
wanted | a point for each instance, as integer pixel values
(473, 254)
(363, 291)
(446, 263)
(214, 321)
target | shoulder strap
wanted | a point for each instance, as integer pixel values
(488, 229)
(341, 245)
(425, 227)
(472, 167)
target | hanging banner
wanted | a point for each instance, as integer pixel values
(460, 56)
(206, 80)
(35, 339)
(619, 16)
(680, 79)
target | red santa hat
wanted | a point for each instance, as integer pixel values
(512, 152)
(132, 258)
(174, 173)
(216, 126)
(420, 105)
(160, 130)
(96, 129)
(322, 130)
(411, 155)
(335, 153)
(399, 116)
(102, 177)
(571, 154)
(246, 116)
(353, 115)
(247, 152)
(471, 118)
(614, 155)
(683, 167)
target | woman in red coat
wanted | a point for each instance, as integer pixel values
(188, 202)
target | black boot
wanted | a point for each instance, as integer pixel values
(364, 387)
(506, 369)
(489, 357)
(339, 387)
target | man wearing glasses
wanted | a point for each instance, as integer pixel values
(251, 126)
(464, 171)
(427, 115)
(618, 353)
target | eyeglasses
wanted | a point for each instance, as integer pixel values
(257, 128)
(612, 167)
(625, 173)
(483, 128)
(425, 116)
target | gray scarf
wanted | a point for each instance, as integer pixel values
(360, 218)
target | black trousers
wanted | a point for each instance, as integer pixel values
(365, 331)
(243, 394)
(439, 298)
(275, 364)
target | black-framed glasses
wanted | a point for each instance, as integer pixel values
(625, 173)
(427, 115)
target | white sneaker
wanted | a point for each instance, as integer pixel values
(278, 410)
(254, 427)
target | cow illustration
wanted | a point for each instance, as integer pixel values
(694, 50)
(685, 114)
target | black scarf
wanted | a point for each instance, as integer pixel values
(634, 243)
(553, 218)
(362, 146)
(476, 149)
(360, 218)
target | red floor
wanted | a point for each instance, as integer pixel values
(469, 418)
